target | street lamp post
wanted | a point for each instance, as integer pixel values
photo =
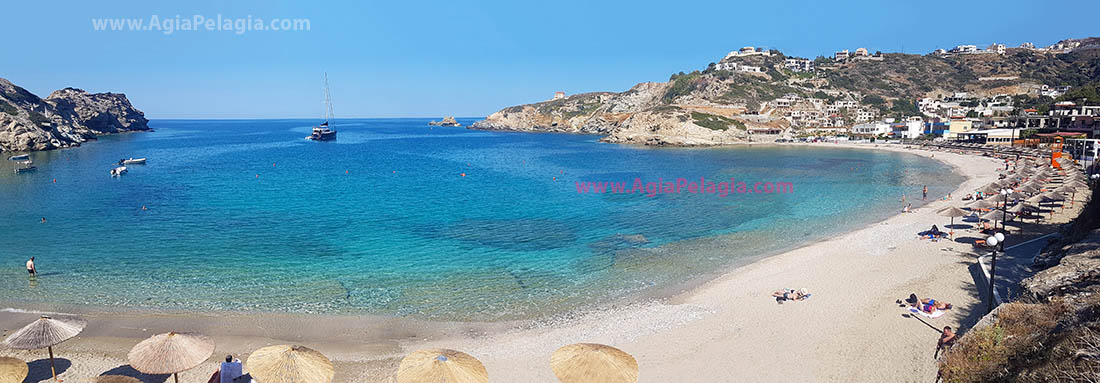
(993, 241)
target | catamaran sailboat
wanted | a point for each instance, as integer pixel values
(322, 132)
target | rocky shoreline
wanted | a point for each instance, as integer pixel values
(66, 118)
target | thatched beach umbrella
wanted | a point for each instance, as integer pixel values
(1020, 208)
(992, 188)
(289, 364)
(441, 365)
(952, 212)
(980, 204)
(170, 353)
(593, 363)
(115, 379)
(12, 370)
(1028, 189)
(45, 332)
(997, 216)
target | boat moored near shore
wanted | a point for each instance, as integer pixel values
(322, 132)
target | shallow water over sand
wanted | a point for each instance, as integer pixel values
(246, 215)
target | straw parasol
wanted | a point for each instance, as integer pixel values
(289, 364)
(115, 379)
(1020, 208)
(12, 370)
(593, 363)
(45, 332)
(996, 215)
(992, 188)
(170, 353)
(1028, 189)
(441, 365)
(1054, 196)
(952, 212)
(980, 204)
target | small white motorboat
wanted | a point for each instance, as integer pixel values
(118, 171)
(25, 169)
(20, 157)
(133, 161)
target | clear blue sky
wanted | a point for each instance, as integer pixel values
(434, 58)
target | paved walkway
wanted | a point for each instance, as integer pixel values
(1014, 264)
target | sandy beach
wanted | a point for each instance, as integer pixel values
(726, 329)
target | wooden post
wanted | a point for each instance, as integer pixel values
(177, 376)
(52, 369)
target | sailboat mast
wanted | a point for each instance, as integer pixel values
(327, 111)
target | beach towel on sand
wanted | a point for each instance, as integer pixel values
(934, 314)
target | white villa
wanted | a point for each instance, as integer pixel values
(798, 64)
(749, 51)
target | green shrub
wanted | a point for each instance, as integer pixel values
(714, 122)
(38, 118)
(8, 108)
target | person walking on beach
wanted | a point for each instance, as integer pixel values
(30, 268)
(925, 193)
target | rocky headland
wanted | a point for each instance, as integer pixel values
(66, 118)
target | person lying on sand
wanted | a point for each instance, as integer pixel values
(791, 295)
(927, 305)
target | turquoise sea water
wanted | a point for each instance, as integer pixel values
(247, 215)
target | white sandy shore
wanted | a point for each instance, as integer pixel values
(728, 329)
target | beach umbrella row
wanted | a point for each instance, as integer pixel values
(175, 352)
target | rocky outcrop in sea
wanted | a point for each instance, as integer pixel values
(68, 117)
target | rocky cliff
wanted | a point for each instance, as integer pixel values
(68, 117)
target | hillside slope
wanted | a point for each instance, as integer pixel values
(724, 102)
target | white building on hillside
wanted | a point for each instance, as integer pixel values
(841, 55)
(799, 64)
(749, 51)
(737, 67)
(965, 49)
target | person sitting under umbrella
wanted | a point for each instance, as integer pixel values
(229, 371)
